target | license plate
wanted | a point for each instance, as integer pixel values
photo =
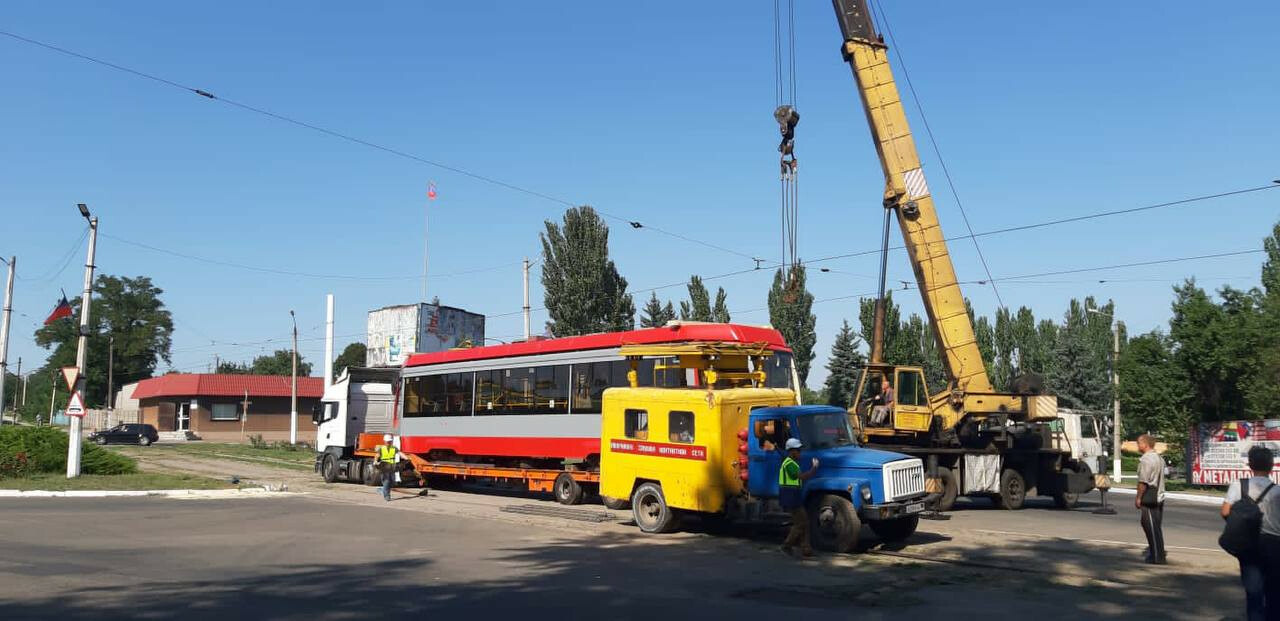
(914, 508)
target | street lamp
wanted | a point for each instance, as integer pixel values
(1115, 388)
(293, 391)
(82, 347)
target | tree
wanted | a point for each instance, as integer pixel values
(842, 367)
(1005, 351)
(226, 367)
(279, 362)
(790, 306)
(353, 355)
(655, 314)
(720, 312)
(582, 289)
(867, 322)
(1082, 380)
(698, 308)
(125, 311)
(1154, 389)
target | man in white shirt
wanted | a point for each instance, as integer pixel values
(1151, 476)
(1260, 575)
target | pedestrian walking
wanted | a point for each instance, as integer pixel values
(388, 455)
(792, 499)
(1150, 498)
(1252, 534)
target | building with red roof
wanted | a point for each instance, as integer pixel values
(212, 406)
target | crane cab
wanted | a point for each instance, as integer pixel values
(891, 400)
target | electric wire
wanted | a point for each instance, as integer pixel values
(367, 143)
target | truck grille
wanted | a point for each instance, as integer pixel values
(903, 479)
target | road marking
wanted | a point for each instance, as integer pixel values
(1126, 544)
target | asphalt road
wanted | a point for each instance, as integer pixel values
(350, 555)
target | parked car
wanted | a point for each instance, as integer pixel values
(126, 433)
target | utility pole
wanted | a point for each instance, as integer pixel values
(526, 298)
(1115, 400)
(53, 395)
(4, 334)
(293, 392)
(111, 366)
(245, 416)
(14, 407)
(82, 346)
(328, 341)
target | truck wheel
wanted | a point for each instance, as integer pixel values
(617, 504)
(1013, 490)
(369, 474)
(567, 490)
(895, 530)
(650, 509)
(950, 489)
(1067, 500)
(833, 524)
(329, 469)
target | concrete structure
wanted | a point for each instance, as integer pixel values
(394, 332)
(211, 406)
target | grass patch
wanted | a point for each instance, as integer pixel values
(298, 459)
(136, 481)
(28, 451)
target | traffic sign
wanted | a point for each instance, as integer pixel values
(71, 374)
(76, 406)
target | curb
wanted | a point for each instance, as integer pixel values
(254, 492)
(1192, 498)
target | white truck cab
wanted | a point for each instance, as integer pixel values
(361, 400)
(1079, 431)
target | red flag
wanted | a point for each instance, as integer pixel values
(62, 310)
(431, 190)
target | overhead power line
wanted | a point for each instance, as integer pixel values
(366, 143)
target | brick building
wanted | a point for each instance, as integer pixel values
(211, 406)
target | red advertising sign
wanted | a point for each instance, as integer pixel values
(656, 449)
(1218, 452)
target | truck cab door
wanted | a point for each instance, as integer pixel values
(765, 452)
(911, 410)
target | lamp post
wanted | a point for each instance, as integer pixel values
(293, 391)
(1115, 389)
(4, 334)
(82, 346)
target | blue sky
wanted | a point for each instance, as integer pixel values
(655, 112)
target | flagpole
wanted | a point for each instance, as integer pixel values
(426, 236)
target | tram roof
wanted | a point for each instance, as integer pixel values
(673, 332)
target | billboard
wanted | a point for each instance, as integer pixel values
(395, 332)
(1218, 452)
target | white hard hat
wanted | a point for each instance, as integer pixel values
(386, 437)
(794, 443)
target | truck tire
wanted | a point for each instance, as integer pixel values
(567, 490)
(895, 530)
(329, 469)
(617, 504)
(650, 510)
(950, 489)
(369, 474)
(833, 523)
(1013, 490)
(1066, 500)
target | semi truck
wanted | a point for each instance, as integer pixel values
(709, 447)
(976, 440)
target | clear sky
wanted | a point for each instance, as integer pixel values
(654, 112)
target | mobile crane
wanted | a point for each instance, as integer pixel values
(975, 440)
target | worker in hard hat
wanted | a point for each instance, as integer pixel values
(792, 499)
(388, 455)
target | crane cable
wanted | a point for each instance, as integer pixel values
(785, 114)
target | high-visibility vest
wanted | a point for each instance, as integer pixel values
(786, 480)
(387, 453)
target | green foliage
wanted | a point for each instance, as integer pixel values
(866, 321)
(813, 397)
(843, 367)
(698, 308)
(790, 306)
(126, 309)
(353, 355)
(1155, 391)
(720, 312)
(654, 314)
(279, 362)
(1083, 378)
(29, 450)
(582, 289)
(256, 441)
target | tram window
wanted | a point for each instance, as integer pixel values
(552, 389)
(518, 386)
(489, 394)
(458, 394)
(424, 396)
(413, 397)
(636, 424)
(680, 427)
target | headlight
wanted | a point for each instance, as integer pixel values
(866, 493)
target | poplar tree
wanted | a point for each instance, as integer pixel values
(720, 313)
(698, 308)
(790, 306)
(582, 289)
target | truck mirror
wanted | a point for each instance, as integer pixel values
(316, 411)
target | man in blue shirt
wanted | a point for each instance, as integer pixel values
(792, 498)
